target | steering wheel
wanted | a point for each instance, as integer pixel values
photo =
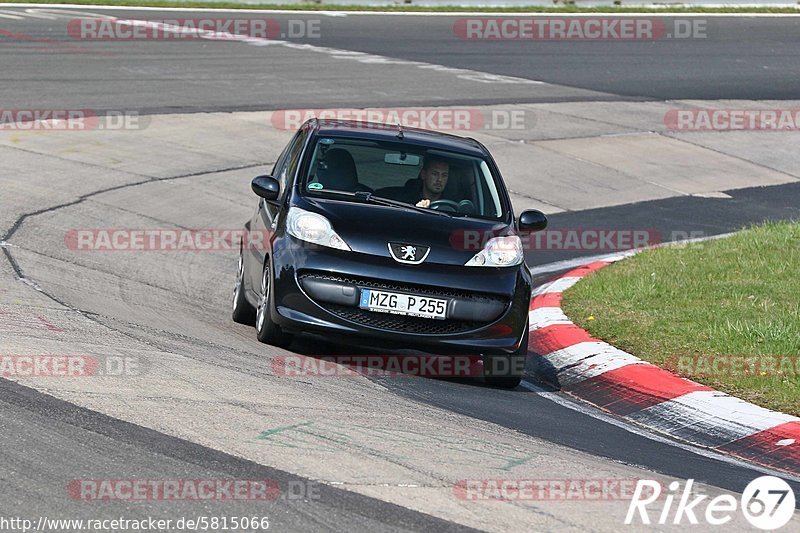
(444, 205)
(466, 206)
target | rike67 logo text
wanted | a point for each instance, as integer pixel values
(767, 503)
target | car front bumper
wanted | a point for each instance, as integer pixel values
(316, 289)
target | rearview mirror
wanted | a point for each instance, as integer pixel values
(266, 187)
(532, 220)
(401, 158)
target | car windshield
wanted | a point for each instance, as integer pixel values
(448, 182)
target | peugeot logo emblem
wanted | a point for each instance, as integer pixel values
(409, 252)
(412, 254)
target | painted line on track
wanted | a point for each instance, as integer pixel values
(642, 431)
(336, 53)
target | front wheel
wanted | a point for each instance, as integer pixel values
(243, 312)
(506, 371)
(268, 331)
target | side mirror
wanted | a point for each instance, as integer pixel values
(266, 187)
(532, 220)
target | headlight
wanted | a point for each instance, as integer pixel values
(314, 228)
(499, 252)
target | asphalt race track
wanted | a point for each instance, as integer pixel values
(740, 58)
(362, 454)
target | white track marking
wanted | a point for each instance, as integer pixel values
(547, 316)
(589, 359)
(46, 13)
(559, 285)
(569, 264)
(593, 412)
(10, 14)
(361, 57)
(735, 418)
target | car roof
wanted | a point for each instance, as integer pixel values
(386, 132)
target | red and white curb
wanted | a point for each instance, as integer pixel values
(649, 396)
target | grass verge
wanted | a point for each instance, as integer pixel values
(422, 9)
(725, 313)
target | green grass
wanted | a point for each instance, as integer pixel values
(315, 6)
(731, 298)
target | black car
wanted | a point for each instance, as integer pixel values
(402, 238)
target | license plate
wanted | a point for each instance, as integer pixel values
(403, 304)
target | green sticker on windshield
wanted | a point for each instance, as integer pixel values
(315, 186)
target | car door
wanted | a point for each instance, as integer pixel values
(265, 220)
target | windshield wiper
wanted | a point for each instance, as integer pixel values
(380, 200)
(369, 197)
(326, 192)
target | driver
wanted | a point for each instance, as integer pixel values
(434, 176)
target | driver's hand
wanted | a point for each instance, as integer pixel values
(424, 203)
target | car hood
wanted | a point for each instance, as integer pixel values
(369, 228)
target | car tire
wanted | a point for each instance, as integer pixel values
(268, 331)
(506, 371)
(243, 312)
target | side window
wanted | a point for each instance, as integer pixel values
(293, 161)
(488, 196)
(287, 162)
(282, 158)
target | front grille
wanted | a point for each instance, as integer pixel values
(400, 323)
